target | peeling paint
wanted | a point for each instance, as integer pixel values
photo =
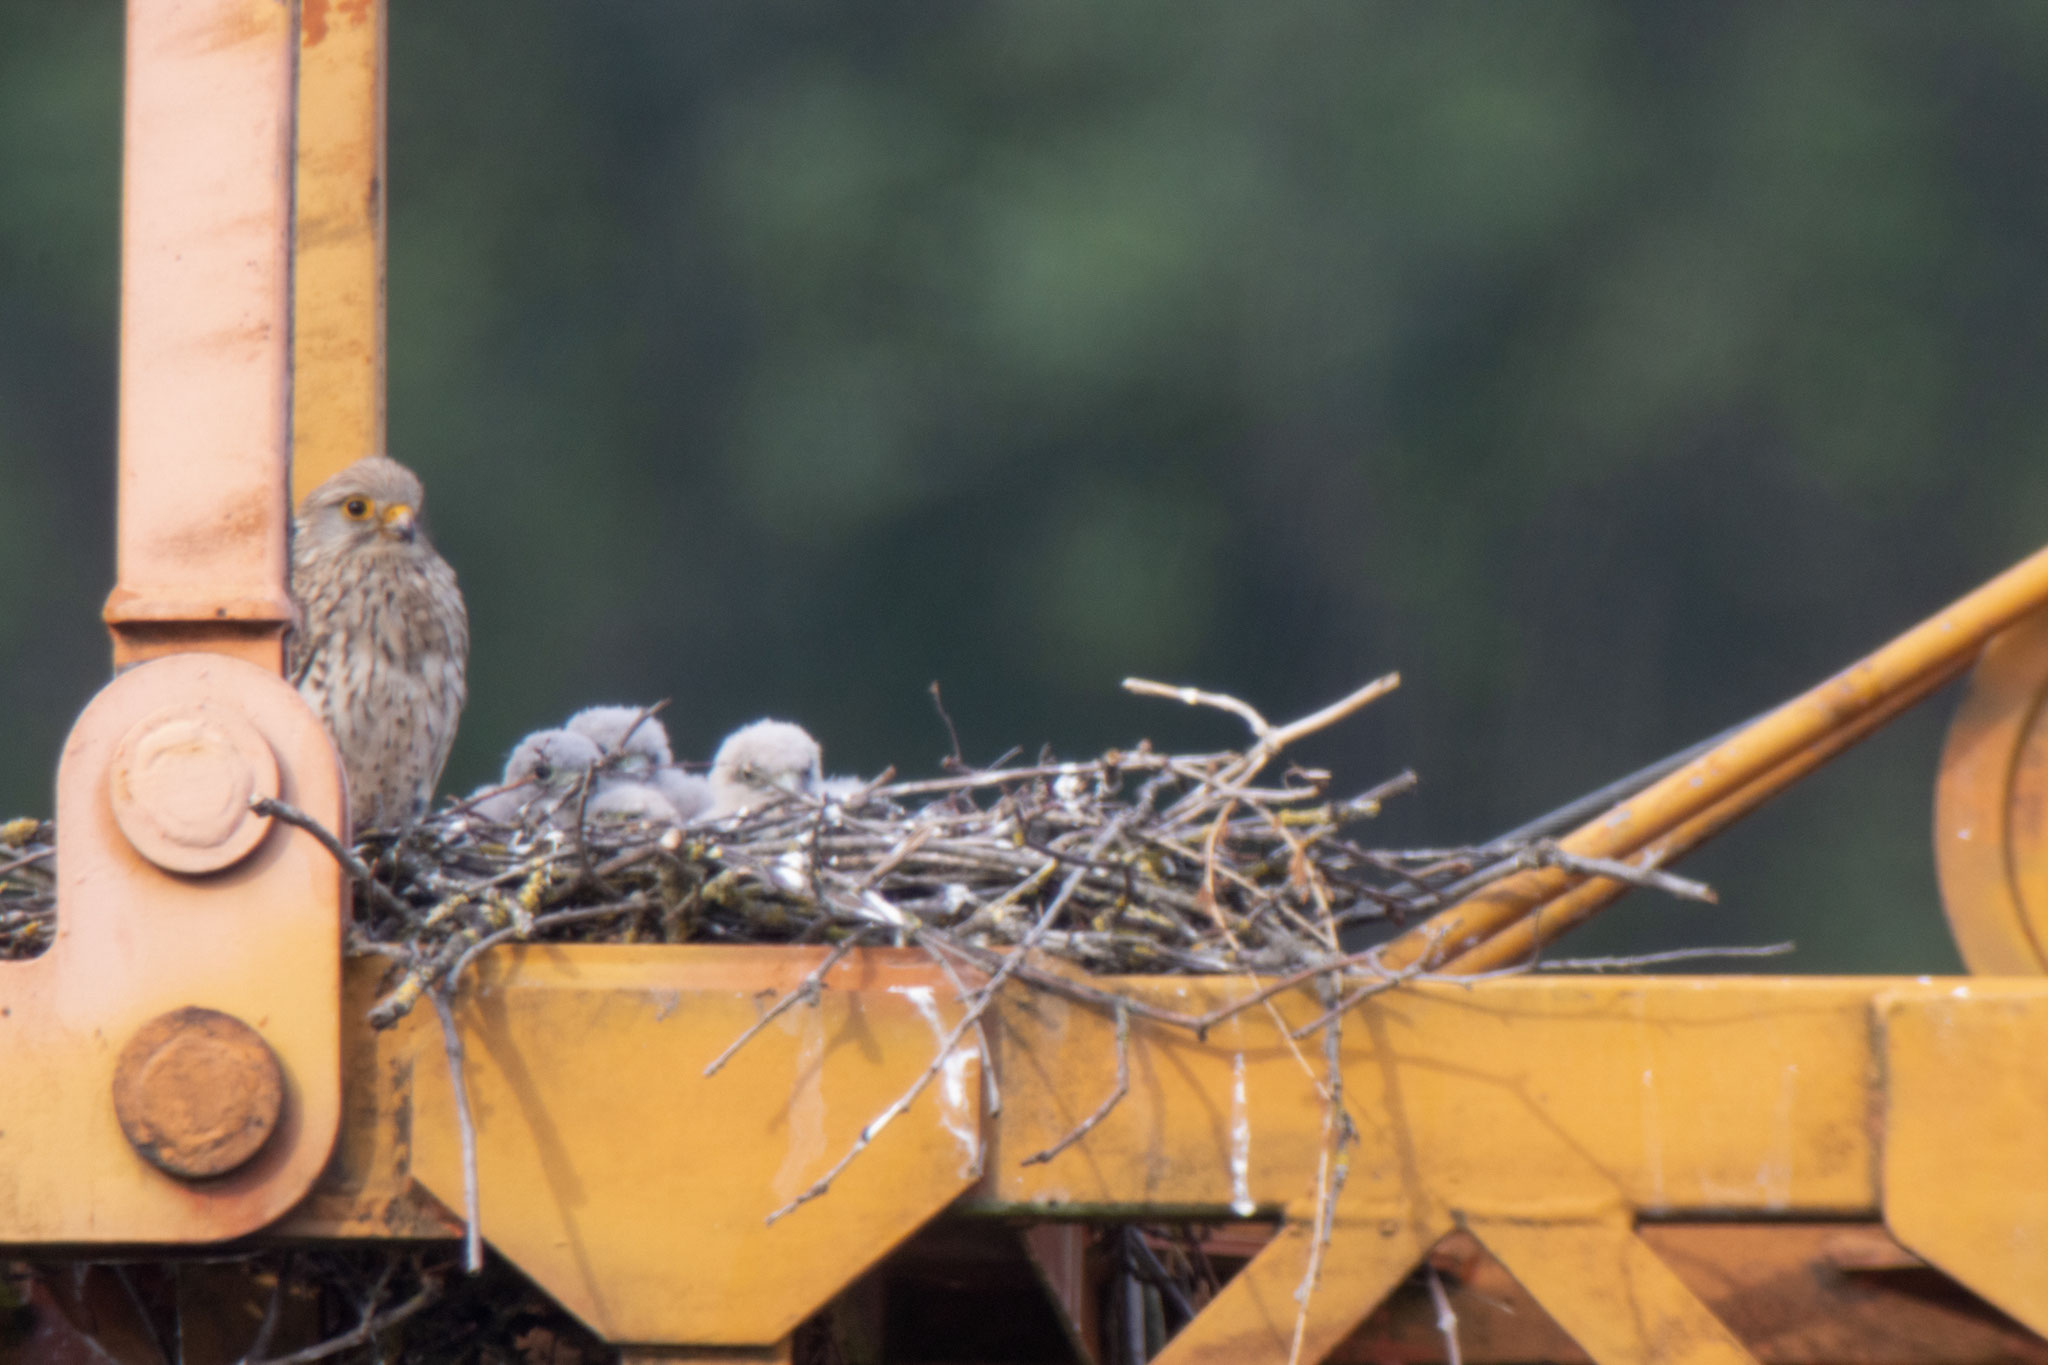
(1653, 1127)
(806, 1111)
(956, 1103)
(1774, 1176)
(1240, 1142)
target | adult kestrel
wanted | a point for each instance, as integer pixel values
(383, 639)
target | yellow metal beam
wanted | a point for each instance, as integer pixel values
(1965, 1124)
(1260, 1312)
(1610, 1292)
(638, 1190)
(1545, 1114)
(338, 287)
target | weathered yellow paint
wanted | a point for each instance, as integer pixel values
(1965, 1127)
(1991, 808)
(1255, 1317)
(1659, 1094)
(636, 1190)
(338, 285)
(1610, 1292)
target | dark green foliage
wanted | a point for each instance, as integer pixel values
(1611, 370)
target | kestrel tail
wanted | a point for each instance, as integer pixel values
(383, 639)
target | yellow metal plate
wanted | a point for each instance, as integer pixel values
(636, 1190)
(1966, 1136)
(1991, 808)
(1662, 1095)
(338, 264)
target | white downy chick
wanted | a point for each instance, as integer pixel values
(689, 793)
(545, 765)
(842, 788)
(624, 798)
(642, 747)
(764, 762)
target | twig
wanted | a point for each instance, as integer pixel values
(1195, 696)
(806, 989)
(1332, 1168)
(997, 776)
(451, 1043)
(1331, 714)
(1683, 887)
(955, 761)
(340, 852)
(647, 713)
(363, 1331)
(1122, 1087)
(1624, 964)
(271, 1312)
(992, 1090)
(24, 860)
(974, 1007)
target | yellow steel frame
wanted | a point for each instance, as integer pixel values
(1543, 1120)
(1545, 1117)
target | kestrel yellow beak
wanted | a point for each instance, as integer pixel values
(400, 521)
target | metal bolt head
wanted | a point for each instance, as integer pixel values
(181, 782)
(197, 1092)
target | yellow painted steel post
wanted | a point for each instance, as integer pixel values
(338, 288)
(190, 993)
(199, 542)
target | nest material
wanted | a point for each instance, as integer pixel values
(1133, 862)
(1136, 861)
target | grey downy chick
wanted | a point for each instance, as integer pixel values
(541, 772)
(689, 793)
(628, 798)
(764, 762)
(641, 747)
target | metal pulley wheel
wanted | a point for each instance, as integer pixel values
(1991, 808)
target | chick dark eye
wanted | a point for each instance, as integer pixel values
(357, 508)
(543, 771)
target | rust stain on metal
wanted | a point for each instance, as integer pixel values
(198, 1092)
(313, 18)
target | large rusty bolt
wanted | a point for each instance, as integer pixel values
(197, 1092)
(181, 783)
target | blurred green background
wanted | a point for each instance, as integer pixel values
(1612, 370)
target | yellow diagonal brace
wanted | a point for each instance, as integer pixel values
(1254, 1319)
(1965, 1127)
(1609, 1291)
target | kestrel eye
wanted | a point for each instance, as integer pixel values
(543, 770)
(357, 508)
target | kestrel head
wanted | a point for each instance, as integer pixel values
(371, 506)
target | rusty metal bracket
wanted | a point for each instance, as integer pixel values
(170, 1068)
